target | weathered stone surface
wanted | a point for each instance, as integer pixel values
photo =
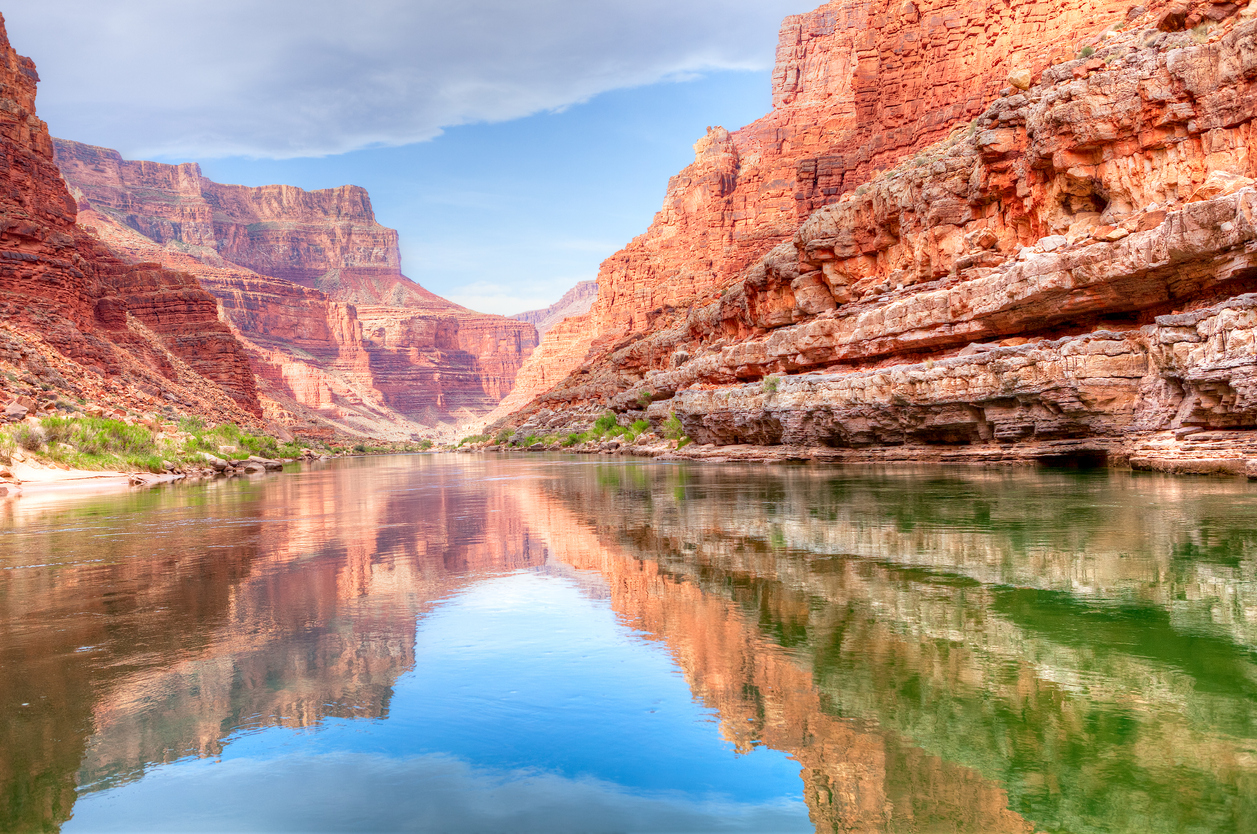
(80, 321)
(1070, 275)
(858, 84)
(311, 283)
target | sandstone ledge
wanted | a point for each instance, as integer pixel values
(1071, 276)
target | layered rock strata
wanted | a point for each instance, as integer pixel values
(77, 321)
(312, 284)
(1068, 274)
(857, 85)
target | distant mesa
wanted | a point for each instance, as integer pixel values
(575, 302)
(312, 285)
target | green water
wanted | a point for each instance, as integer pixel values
(536, 643)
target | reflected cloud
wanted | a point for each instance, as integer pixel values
(938, 650)
(347, 792)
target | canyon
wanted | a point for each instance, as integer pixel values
(998, 232)
(78, 322)
(311, 285)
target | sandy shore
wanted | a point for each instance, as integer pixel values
(50, 481)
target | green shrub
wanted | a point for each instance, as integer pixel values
(605, 423)
(57, 429)
(103, 436)
(672, 428)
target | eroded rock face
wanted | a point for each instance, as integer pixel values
(313, 286)
(1070, 274)
(85, 323)
(857, 85)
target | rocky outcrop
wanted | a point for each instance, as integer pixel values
(575, 302)
(858, 84)
(312, 284)
(81, 323)
(1068, 274)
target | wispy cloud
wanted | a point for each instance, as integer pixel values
(291, 78)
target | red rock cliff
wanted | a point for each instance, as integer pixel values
(1069, 274)
(313, 284)
(80, 321)
(857, 85)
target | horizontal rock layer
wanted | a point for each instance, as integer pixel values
(83, 323)
(312, 284)
(1075, 266)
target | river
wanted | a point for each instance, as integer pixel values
(525, 643)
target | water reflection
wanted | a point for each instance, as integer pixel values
(938, 650)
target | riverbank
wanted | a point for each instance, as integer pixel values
(1191, 452)
(84, 452)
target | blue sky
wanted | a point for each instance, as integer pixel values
(514, 146)
(506, 217)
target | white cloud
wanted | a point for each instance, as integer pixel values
(290, 78)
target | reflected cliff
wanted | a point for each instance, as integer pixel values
(951, 650)
(938, 650)
(138, 630)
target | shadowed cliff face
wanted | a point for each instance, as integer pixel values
(79, 320)
(940, 651)
(313, 285)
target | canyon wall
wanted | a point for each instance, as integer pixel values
(857, 85)
(1069, 274)
(575, 302)
(80, 323)
(312, 285)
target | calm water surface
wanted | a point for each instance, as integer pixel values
(531, 643)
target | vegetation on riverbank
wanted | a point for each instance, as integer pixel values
(605, 428)
(157, 445)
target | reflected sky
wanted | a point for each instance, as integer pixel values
(518, 643)
(529, 709)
